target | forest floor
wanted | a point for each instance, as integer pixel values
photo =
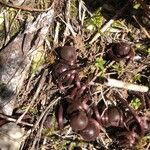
(91, 27)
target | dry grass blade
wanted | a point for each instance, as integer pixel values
(42, 116)
(142, 28)
(38, 90)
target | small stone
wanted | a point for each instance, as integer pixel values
(11, 136)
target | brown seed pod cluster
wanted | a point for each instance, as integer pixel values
(65, 70)
(120, 51)
(81, 119)
(84, 117)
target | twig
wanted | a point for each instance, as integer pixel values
(37, 137)
(69, 27)
(85, 8)
(142, 28)
(43, 147)
(125, 85)
(44, 112)
(148, 146)
(80, 7)
(14, 120)
(56, 33)
(6, 27)
(42, 116)
(67, 19)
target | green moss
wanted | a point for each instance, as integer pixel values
(148, 51)
(73, 9)
(100, 63)
(38, 60)
(144, 49)
(137, 77)
(62, 145)
(143, 143)
(50, 131)
(96, 21)
(135, 103)
(118, 68)
(119, 24)
(136, 6)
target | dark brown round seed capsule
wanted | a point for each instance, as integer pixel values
(115, 117)
(79, 121)
(112, 117)
(121, 49)
(92, 130)
(68, 53)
